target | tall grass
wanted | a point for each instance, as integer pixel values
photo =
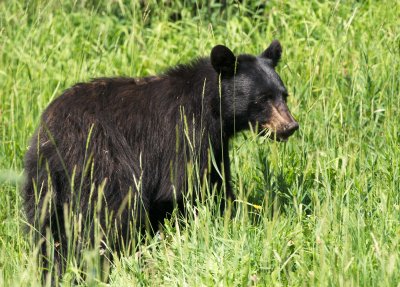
(322, 209)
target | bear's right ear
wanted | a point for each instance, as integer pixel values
(223, 60)
(273, 52)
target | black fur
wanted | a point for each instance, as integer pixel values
(273, 52)
(119, 132)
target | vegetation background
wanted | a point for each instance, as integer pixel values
(322, 209)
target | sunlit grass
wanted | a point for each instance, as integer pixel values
(322, 209)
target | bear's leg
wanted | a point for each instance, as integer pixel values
(44, 218)
(223, 185)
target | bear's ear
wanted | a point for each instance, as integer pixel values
(273, 52)
(223, 60)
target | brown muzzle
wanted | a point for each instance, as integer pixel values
(280, 123)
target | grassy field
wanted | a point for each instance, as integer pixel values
(320, 210)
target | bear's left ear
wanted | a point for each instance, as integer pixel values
(223, 60)
(273, 52)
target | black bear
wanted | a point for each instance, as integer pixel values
(119, 148)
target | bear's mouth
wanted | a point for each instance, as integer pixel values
(276, 136)
(282, 134)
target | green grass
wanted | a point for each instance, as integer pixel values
(330, 201)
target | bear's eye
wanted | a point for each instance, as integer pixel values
(262, 98)
(265, 97)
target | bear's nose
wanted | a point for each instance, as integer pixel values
(291, 128)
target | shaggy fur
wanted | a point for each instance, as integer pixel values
(134, 138)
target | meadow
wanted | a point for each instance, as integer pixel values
(322, 209)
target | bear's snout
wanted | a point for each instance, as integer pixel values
(289, 129)
(280, 122)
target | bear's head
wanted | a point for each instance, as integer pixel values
(252, 91)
